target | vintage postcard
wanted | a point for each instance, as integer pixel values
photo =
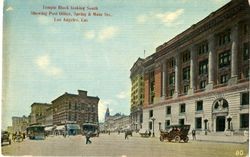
(127, 78)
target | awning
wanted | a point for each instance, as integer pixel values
(73, 127)
(60, 127)
(48, 128)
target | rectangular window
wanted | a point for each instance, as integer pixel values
(150, 126)
(151, 113)
(182, 108)
(203, 48)
(224, 59)
(186, 87)
(172, 78)
(185, 56)
(224, 38)
(244, 120)
(246, 51)
(203, 67)
(168, 110)
(186, 73)
(69, 105)
(203, 84)
(167, 123)
(198, 123)
(224, 78)
(181, 121)
(245, 98)
(152, 86)
(171, 92)
(171, 63)
(199, 105)
(246, 29)
(246, 72)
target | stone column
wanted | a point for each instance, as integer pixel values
(234, 52)
(164, 72)
(193, 62)
(177, 76)
(211, 62)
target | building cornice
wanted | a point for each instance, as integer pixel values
(213, 20)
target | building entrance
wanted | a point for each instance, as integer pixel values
(220, 123)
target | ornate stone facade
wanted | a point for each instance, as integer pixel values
(201, 76)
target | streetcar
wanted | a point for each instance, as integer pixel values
(36, 132)
(90, 128)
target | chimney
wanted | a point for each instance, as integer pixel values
(82, 93)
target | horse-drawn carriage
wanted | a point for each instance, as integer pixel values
(176, 133)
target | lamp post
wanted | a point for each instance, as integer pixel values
(153, 120)
(159, 126)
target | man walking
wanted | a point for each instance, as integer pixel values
(193, 134)
(88, 135)
(126, 135)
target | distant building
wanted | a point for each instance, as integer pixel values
(10, 129)
(117, 122)
(137, 93)
(38, 111)
(19, 124)
(73, 108)
(107, 114)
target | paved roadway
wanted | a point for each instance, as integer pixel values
(116, 145)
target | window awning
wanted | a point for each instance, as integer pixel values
(49, 128)
(73, 126)
(60, 127)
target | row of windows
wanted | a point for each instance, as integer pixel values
(244, 122)
(199, 105)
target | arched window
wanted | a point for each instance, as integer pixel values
(220, 104)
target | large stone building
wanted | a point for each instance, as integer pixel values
(38, 112)
(75, 108)
(137, 93)
(201, 76)
(19, 124)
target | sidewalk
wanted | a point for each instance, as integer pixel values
(221, 138)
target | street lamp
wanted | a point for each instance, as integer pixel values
(160, 126)
(153, 119)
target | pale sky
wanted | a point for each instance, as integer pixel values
(45, 59)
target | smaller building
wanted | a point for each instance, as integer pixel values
(19, 124)
(38, 112)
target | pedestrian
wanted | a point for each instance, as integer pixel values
(194, 134)
(126, 135)
(88, 135)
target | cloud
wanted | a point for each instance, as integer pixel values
(102, 35)
(142, 18)
(90, 34)
(169, 17)
(107, 33)
(219, 2)
(44, 20)
(123, 95)
(9, 8)
(44, 64)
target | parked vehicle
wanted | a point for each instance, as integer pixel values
(176, 133)
(5, 137)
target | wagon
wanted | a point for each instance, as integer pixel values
(176, 133)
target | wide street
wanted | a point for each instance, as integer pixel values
(116, 145)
